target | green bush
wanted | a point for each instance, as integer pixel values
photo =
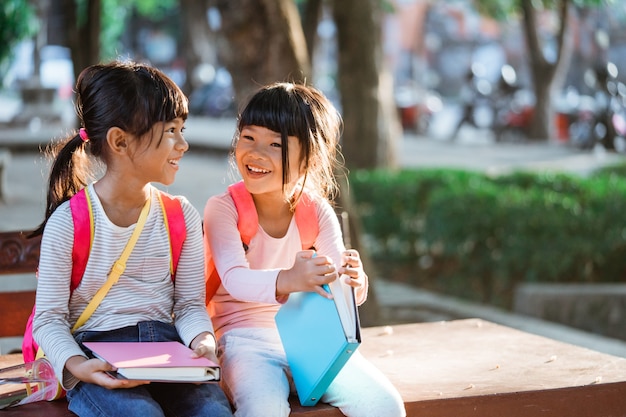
(474, 236)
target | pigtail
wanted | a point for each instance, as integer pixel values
(70, 172)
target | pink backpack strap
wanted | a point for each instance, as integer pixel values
(175, 225)
(247, 217)
(307, 221)
(82, 216)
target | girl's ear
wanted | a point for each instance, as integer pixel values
(117, 140)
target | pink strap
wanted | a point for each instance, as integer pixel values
(307, 222)
(83, 223)
(247, 217)
(175, 223)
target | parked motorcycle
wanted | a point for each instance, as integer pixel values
(216, 97)
(603, 122)
(417, 106)
(503, 107)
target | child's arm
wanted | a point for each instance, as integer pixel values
(224, 246)
(191, 317)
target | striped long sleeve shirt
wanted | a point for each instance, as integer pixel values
(144, 292)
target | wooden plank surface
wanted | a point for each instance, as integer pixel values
(474, 368)
(477, 368)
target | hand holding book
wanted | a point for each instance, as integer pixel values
(352, 270)
(156, 361)
(309, 273)
(204, 345)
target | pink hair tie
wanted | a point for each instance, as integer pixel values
(83, 134)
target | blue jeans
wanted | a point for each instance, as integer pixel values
(155, 399)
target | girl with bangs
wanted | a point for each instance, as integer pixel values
(286, 145)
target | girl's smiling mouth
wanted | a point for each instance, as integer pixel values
(257, 170)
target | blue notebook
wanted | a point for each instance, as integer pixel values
(315, 340)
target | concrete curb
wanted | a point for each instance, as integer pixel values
(398, 296)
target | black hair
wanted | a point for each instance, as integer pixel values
(127, 95)
(306, 113)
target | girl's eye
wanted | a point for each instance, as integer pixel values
(277, 145)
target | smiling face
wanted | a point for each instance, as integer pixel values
(258, 155)
(159, 161)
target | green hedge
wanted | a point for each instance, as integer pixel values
(474, 236)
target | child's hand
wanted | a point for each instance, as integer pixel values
(204, 345)
(308, 273)
(352, 269)
(94, 371)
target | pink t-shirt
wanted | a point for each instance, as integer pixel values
(247, 296)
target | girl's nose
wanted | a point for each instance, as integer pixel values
(256, 151)
(182, 144)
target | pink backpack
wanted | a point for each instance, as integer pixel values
(248, 224)
(82, 217)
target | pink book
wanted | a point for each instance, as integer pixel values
(155, 361)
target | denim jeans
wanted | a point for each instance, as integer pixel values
(155, 399)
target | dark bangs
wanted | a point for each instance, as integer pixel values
(160, 99)
(280, 109)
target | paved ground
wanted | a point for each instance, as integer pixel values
(205, 171)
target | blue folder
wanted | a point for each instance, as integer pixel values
(315, 342)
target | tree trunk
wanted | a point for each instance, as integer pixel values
(265, 43)
(371, 125)
(198, 45)
(543, 72)
(83, 33)
(310, 20)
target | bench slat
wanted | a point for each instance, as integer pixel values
(16, 308)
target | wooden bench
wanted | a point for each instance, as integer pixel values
(457, 368)
(18, 255)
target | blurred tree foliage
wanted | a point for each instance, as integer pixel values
(17, 21)
(115, 16)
